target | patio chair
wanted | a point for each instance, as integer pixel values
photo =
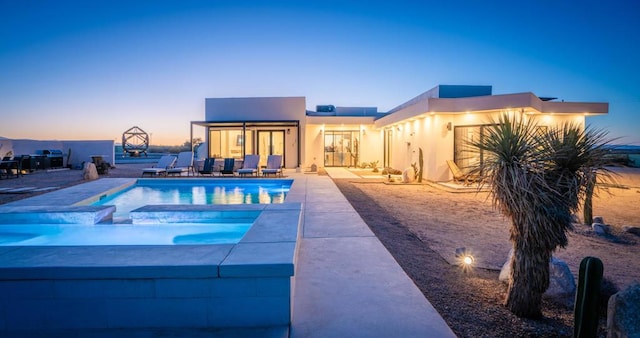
(183, 164)
(249, 165)
(101, 166)
(274, 165)
(461, 176)
(7, 166)
(227, 168)
(165, 162)
(207, 168)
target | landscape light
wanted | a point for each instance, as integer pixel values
(465, 258)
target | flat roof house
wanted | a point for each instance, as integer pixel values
(438, 121)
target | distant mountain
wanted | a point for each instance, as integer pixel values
(624, 149)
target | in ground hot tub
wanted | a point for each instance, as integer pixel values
(57, 289)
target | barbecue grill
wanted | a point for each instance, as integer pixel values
(54, 157)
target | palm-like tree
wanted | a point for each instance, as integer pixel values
(537, 179)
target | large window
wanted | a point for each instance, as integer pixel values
(341, 148)
(240, 138)
(230, 143)
(464, 154)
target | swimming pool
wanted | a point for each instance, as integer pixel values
(202, 213)
(195, 191)
(116, 288)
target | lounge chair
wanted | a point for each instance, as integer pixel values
(274, 166)
(184, 164)
(207, 167)
(165, 162)
(249, 165)
(227, 168)
(461, 176)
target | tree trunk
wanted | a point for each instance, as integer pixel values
(528, 281)
(587, 210)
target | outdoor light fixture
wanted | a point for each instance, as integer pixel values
(465, 259)
(288, 131)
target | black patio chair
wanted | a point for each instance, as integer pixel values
(207, 167)
(227, 169)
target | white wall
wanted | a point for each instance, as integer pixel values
(429, 134)
(255, 109)
(81, 151)
(550, 120)
(291, 148)
(314, 146)
(371, 145)
(31, 147)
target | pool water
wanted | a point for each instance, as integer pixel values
(204, 226)
(195, 191)
(121, 234)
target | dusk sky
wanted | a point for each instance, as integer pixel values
(93, 69)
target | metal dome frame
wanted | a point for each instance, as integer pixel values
(135, 141)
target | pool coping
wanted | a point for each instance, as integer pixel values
(56, 214)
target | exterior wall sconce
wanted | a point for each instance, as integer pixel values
(449, 126)
(288, 131)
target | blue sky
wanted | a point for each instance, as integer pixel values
(93, 69)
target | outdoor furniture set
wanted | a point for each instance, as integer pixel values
(170, 165)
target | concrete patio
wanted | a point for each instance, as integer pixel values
(347, 283)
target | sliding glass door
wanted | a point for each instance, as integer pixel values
(270, 142)
(464, 154)
(341, 148)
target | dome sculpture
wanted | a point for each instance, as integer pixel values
(135, 141)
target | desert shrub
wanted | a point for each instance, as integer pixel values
(374, 165)
(391, 171)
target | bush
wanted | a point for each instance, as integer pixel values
(391, 171)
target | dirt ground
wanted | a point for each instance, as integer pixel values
(60, 178)
(423, 224)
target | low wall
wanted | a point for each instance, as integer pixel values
(81, 150)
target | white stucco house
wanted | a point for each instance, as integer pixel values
(438, 121)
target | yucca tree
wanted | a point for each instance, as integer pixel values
(576, 159)
(537, 178)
